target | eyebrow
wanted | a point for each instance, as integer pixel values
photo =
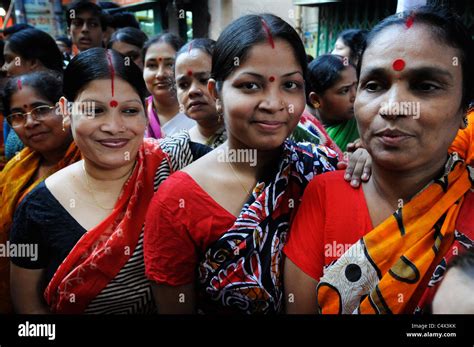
(197, 74)
(32, 105)
(262, 77)
(103, 103)
(422, 72)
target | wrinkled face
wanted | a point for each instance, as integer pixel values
(42, 135)
(86, 31)
(337, 102)
(193, 70)
(132, 52)
(158, 71)
(408, 104)
(341, 49)
(14, 64)
(110, 136)
(264, 98)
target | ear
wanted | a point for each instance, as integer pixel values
(63, 110)
(315, 99)
(212, 88)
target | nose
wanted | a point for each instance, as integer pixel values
(161, 72)
(273, 102)
(353, 92)
(85, 27)
(393, 104)
(113, 124)
(195, 89)
(30, 122)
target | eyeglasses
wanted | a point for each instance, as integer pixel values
(18, 119)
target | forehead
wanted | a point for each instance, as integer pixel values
(417, 46)
(160, 49)
(86, 15)
(262, 58)
(101, 90)
(196, 59)
(26, 95)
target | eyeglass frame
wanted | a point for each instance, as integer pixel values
(25, 115)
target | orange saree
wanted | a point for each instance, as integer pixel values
(388, 270)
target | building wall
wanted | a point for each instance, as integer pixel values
(224, 11)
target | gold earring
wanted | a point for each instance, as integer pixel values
(465, 122)
(316, 104)
(219, 111)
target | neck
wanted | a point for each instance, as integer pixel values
(167, 108)
(259, 161)
(108, 176)
(53, 157)
(395, 185)
(208, 127)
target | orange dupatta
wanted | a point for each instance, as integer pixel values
(387, 271)
(102, 251)
(15, 183)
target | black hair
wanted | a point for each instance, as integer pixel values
(123, 20)
(355, 40)
(324, 72)
(34, 44)
(242, 34)
(446, 27)
(93, 64)
(64, 39)
(203, 44)
(171, 39)
(108, 5)
(16, 28)
(79, 6)
(132, 36)
(47, 84)
(464, 262)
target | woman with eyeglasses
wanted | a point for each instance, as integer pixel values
(29, 102)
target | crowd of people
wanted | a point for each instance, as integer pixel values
(148, 175)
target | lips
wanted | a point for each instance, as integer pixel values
(195, 105)
(269, 125)
(163, 85)
(39, 136)
(393, 137)
(113, 143)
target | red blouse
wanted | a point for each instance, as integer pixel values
(182, 222)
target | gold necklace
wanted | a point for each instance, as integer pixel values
(238, 179)
(90, 190)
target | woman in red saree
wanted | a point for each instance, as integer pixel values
(384, 248)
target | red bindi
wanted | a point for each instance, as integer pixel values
(190, 73)
(113, 103)
(398, 65)
(271, 79)
(409, 21)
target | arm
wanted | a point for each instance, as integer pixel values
(174, 300)
(27, 290)
(300, 290)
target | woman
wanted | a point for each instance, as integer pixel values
(417, 209)
(29, 101)
(227, 215)
(87, 219)
(165, 117)
(26, 51)
(331, 91)
(349, 44)
(129, 42)
(192, 71)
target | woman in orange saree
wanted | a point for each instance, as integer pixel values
(30, 105)
(384, 248)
